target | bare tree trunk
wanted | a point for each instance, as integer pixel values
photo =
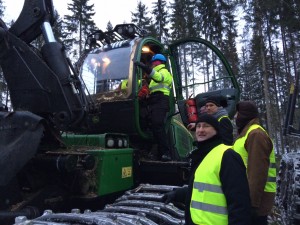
(264, 71)
(277, 116)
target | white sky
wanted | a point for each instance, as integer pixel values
(115, 11)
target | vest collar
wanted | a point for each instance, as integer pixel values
(159, 67)
(243, 131)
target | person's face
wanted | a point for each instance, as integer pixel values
(204, 131)
(155, 63)
(211, 108)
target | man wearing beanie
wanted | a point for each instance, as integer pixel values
(218, 191)
(215, 105)
(256, 148)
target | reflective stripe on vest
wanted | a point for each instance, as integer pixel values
(159, 86)
(208, 202)
(164, 84)
(239, 147)
(221, 117)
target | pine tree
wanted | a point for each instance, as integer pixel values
(228, 43)
(160, 20)
(210, 21)
(109, 26)
(78, 25)
(140, 17)
(182, 19)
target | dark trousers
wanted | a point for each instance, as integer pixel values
(259, 220)
(159, 107)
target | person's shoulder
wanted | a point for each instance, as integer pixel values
(258, 131)
(230, 154)
(222, 113)
(224, 118)
(230, 151)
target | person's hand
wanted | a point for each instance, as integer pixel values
(143, 66)
(169, 197)
(143, 92)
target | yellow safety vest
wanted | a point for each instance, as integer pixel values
(161, 80)
(208, 203)
(124, 85)
(239, 147)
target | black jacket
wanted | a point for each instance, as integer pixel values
(234, 183)
(226, 131)
(226, 128)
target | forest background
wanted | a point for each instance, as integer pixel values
(260, 39)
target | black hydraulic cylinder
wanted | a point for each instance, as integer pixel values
(60, 163)
(54, 56)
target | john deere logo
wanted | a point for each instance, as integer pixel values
(126, 172)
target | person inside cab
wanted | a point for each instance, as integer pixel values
(160, 86)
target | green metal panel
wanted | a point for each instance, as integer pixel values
(182, 138)
(74, 140)
(84, 140)
(98, 140)
(114, 170)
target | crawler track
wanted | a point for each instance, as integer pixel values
(142, 205)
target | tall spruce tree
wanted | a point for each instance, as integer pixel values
(78, 25)
(228, 45)
(210, 21)
(141, 18)
(160, 23)
(182, 19)
(109, 26)
(261, 58)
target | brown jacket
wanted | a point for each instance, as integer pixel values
(259, 147)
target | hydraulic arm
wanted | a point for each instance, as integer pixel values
(42, 82)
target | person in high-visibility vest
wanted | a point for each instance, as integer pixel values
(256, 148)
(218, 190)
(160, 88)
(215, 105)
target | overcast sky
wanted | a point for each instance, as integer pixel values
(115, 11)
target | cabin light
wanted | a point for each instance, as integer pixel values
(145, 49)
(130, 30)
(106, 60)
(93, 61)
(125, 143)
(120, 143)
(110, 142)
(120, 30)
